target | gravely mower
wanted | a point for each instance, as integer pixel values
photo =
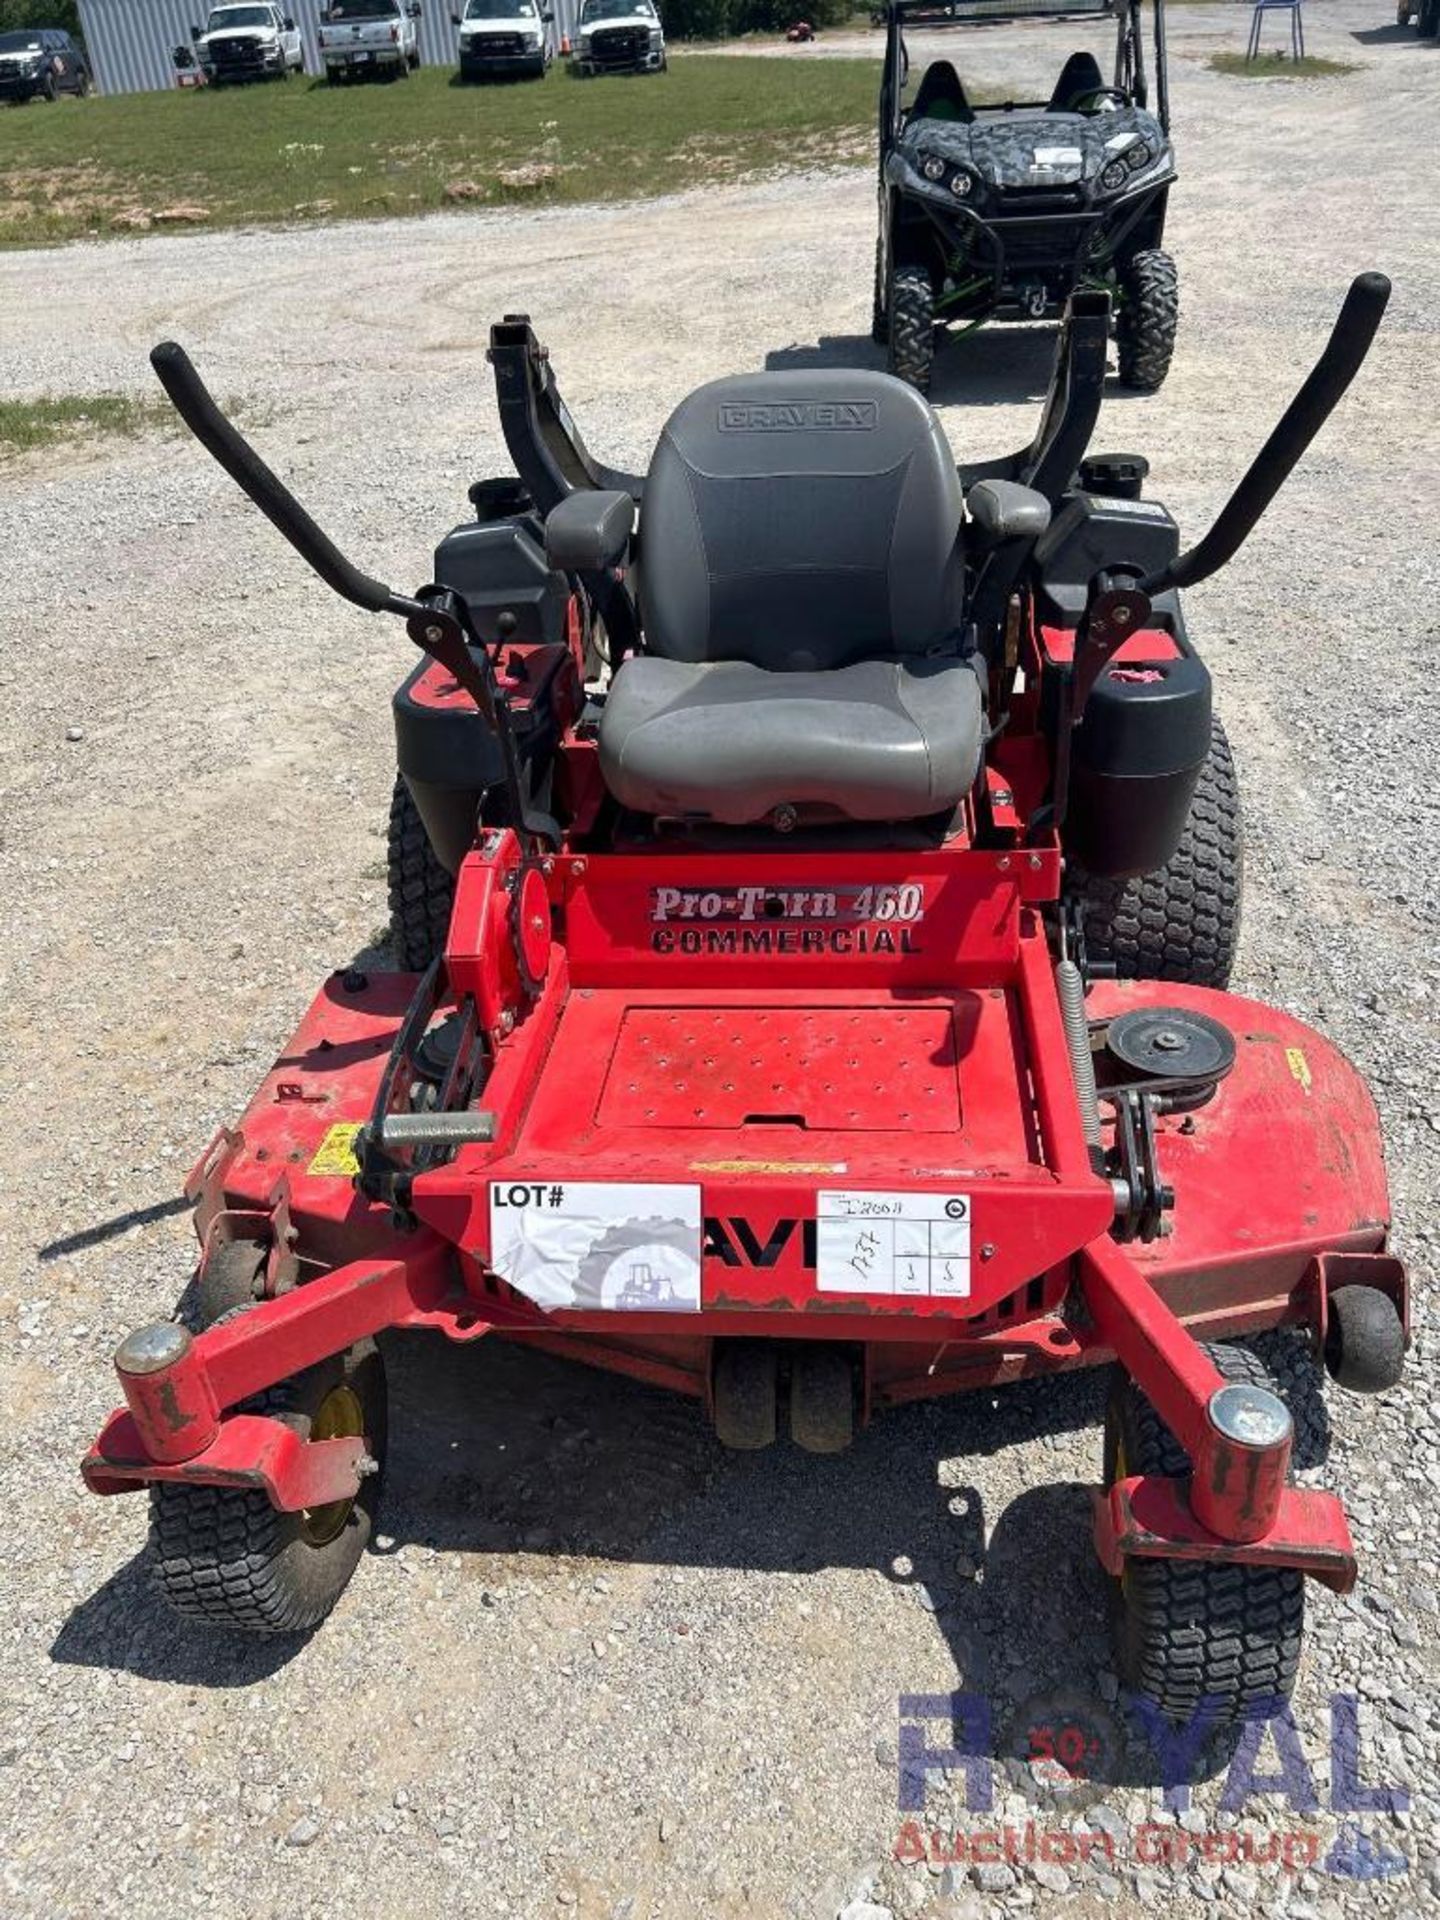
(785, 867)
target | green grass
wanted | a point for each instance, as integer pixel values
(1276, 66)
(29, 424)
(281, 154)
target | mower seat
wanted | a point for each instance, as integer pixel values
(801, 605)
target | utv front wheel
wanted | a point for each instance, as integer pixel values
(1149, 315)
(1181, 922)
(1193, 1632)
(911, 302)
(422, 892)
(226, 1556)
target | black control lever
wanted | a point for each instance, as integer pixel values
(437, 620)
(1312, 406)
(191, 399)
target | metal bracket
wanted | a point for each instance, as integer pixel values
(1148, 1517)
(390, 1155)
(205, 1184)
(1138, 1167)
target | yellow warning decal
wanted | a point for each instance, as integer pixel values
(1299, 1066)
(336, 1152)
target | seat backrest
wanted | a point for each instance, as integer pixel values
(800, 522)
(1080, 75)
(940, 95)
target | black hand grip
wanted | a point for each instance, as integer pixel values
(1312, 406)
(192, 401)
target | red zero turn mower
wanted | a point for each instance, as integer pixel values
(817, 907)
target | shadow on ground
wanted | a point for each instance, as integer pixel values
(1389, 36)
(998, 366)
(496, 1450)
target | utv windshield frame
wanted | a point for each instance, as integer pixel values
(1129, 69)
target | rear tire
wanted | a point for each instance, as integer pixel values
(422, 893)
(1149, 316)
(1181, 922)
(1192, 1631)
(228, 1557)
(911, 304)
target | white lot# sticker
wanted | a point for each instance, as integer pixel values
(598, 1243)
(895, 1243)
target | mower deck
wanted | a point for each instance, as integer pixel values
(764, 1102)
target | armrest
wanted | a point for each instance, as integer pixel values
(589, 529)
(1004, 510)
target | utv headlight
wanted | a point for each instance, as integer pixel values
(962, 184)
(1113, 177)
(1138, 156)
(933, 167)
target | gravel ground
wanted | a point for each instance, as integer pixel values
(596, 1666)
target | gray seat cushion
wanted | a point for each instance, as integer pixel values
(881, 740)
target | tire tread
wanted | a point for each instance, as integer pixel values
(1191, 1631)
(421, 891)
(1181, 922)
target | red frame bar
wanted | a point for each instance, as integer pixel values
(172, 1430)
(1236, 1491)
(249, 1451)
(1149, 1518)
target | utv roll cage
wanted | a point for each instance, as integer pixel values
(1129, 70)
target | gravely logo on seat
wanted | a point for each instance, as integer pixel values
(799, 416)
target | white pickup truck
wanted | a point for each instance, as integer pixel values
(618, 36)
(255, 41)
(369, 36)
(504, 36)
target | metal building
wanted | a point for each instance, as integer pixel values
(130, 42)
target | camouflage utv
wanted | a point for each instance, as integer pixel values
(1001, 209)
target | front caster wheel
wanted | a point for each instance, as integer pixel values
(1193, 1633)
(227, 1557)
(231, 1279)
(1364, 1340)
